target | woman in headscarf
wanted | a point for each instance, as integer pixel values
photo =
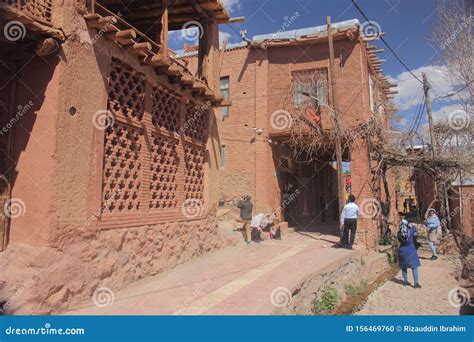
(408, 256)
(432, 224)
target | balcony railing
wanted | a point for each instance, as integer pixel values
(39, 10)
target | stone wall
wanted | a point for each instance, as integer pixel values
(61, 250)
(358, 271)
(46, 280)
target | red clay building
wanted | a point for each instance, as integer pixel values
(263, 79)
(108, 147)
(461, 205)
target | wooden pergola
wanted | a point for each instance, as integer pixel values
(143, 26)
(144, 13)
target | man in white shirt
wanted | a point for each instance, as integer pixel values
(349, 215)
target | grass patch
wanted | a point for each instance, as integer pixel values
(363, 283)
(391, 258)
(385, 241)
(326, 302)
(351, 290)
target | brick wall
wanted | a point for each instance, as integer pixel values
(260, 84)
(462, 198)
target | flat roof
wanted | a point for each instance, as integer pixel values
(290, 35)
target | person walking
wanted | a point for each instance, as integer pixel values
(349, 216)
(408, 255)
(432, 224)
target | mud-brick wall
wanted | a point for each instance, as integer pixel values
(58, 253)
(48, 280)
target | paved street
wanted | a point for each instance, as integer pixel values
(234, 280)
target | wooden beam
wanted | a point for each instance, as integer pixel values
(197, 7)
(141, 49)
(164, 30)
(236, 20)
(125, 37)
(100, 22)
(157, 60)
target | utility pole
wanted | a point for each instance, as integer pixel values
(439, 181)
(340, 177)
(426, 89)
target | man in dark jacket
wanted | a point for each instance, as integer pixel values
(246, 207)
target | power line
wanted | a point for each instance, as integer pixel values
(386, 44)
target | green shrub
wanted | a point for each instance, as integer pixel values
(351, 290)
(362, 262)
(363, 283)
(327, 302)
(391, 258)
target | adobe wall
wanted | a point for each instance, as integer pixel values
(34, 151)
(464, 216)
(74, 253)
(260, 81)
(352, 84)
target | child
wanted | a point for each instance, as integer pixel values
(432, 224)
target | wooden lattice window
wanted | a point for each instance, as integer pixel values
(126, 92)
(194, 172)
(38, 9)
(196, 117)
(310, 82)
(166, 109)
(164, 172)
(154, 156)
(122, 166)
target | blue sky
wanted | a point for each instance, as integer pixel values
(408, 25)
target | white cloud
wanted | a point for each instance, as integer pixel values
(410, 89)
(224, 36)
(231, 5)
(177, 39)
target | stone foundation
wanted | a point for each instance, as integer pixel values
(44, 280)
(350, 271)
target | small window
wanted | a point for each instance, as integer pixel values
(310, 82)
(222, 165)
(224, 88)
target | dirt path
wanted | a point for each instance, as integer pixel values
(437, 280)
